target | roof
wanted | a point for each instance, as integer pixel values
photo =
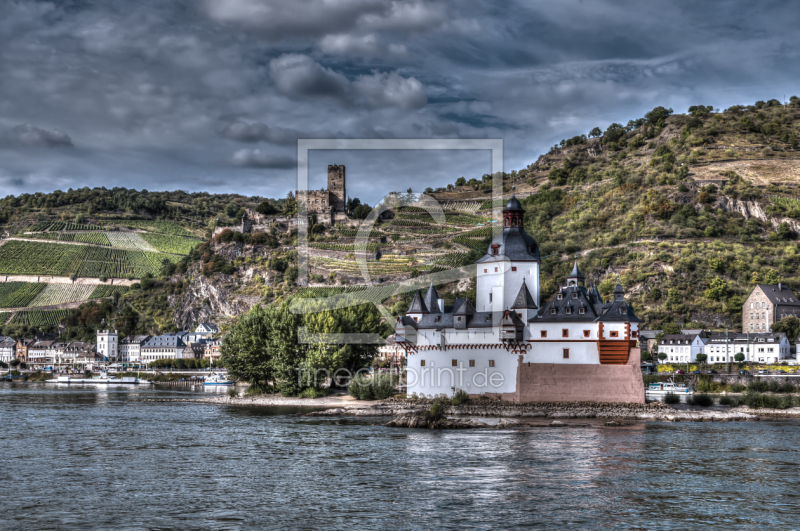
(432, 300)
(134, 339)
(576, 273)
(513, 204)
(417, 304)
(678, 339)
(777, 293)
(567, 304)
(513, 243)
(165, 340)
(524, 298)
(764, 337)
(7, 343)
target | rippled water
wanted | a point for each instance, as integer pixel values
(94, 458)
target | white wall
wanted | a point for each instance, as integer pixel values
(439, 376)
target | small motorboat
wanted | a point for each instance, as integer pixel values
(664, 388)
(101, 379)
(217, 379)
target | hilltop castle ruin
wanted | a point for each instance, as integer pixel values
(329, 204)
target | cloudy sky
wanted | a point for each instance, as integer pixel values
(213, 94)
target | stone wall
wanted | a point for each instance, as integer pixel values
(548, 382)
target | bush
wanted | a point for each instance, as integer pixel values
(737, 388)
(702, 400)
(728, 401)
(461, 397)
(233, 393)
(312, 392)
(360, 388)
(384, 386)
(671, 398)
(437, 409)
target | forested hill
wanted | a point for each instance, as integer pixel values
(689, 210)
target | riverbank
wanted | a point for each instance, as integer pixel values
(331, 401)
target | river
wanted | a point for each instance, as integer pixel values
(97, 458)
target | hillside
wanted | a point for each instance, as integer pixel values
(688, 211)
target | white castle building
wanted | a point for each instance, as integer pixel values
(575, 347)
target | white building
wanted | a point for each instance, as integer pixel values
(759, 348)
(108, 345)
(207, 328)
(165, 346)
(130, 348)
(681, 348)
(8, 349)
(392, 352)
(480, 349)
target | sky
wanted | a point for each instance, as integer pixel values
(212, 95)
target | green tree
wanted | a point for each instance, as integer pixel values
(658, 114)
(717, 290)
(701, 358)
(362, 211)
(461, 181)
(662, 356)
(789, 326)
(771, 276)
(290, 205)
(739, 357)
(596, 132)
(266, 208)
(670, 329)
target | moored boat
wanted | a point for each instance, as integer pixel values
(663, 388)
(102, 379)
(217, 379)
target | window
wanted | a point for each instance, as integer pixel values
(471, 363)
(491, 363)
(490, 297)
(553, 311)
(421, 363)
(586, 333)
(519, 314)
(581, 310)
(615, 334)
(488, 318)
(634, 334)
(458, 319)
(544, 333)
(485, 270)
(559, 296)
(569, 310)
(565, 332)
(513, 268)
(565, 353)
(495, 270)
(455, 363)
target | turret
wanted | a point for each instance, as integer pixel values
(576, 277)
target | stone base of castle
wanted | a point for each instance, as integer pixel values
(547, 382)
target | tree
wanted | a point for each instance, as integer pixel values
(658, 114)
(739, 357)
(596, 132)
(266, 208)
(614, 132)
(662, 356)
(290, 205)
(362, 211)
(789, 326)
(14, 363)
(701, 358)
(461, 181)
(717, 290)
(771, 276)
(352, 204)
(670, 329)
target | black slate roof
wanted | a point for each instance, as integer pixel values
(574, 298)
(514, 244)
(776, 295)
(432, 300)
(417, 304)
(524, 298)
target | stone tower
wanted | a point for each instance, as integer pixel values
(336, 187)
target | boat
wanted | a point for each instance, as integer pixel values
(217, 379)
(663, 388)
(102, 379)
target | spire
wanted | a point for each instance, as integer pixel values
(417, 305)
(524, 299)
(576, 277)
(432, 300)
(619, 293)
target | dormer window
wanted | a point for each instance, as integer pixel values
(533, 248)
(559, 296)
(458, 319)
(552, 311)
(437, 319)
(569, 310)
(575, 295)
(622, 311)
(488, 318)
(581, 311)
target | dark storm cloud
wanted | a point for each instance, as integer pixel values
(164, 93)
(30, 135)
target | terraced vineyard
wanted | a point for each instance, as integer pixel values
(41, 258)
(95, 238)
(470, 207)
(55, 294)
(129, 240)
(163, 227)
(54, 226)
(39, 317)
(4, 317)
(18, 294)
(169, 243)
(104, 290)
(456, 259)
(345, 247)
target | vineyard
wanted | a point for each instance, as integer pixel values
(41, 258)
(54, 226)
(469, 207)
(164, 227)
(95, 238)
(4, 317)
(18, 294)
(61, 294)
(170, 244)
(129, 240)
(39, 317)
(104, 290)
(345, 247)
(456, 259)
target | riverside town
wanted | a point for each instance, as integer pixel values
(416, 264)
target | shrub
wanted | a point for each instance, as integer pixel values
(233, 393)
(757, 386)
(728, 401)
(384, 386)
(702, 400)
(461, 397)
(737, 388)
(311, 392)
(360, 388)
(671, 398)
